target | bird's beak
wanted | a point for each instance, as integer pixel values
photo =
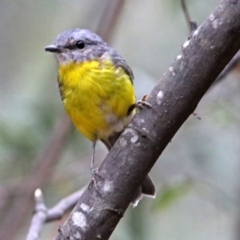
(53, 48)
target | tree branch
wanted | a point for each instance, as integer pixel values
(109, 19)
(175, 97)
(191, 24)
(43, 214)
(231, 65)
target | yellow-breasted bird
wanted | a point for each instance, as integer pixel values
(96, 86)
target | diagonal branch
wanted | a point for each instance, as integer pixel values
(231, 65)
(175, 97)
(109, 19)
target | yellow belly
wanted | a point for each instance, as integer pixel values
(97, 97)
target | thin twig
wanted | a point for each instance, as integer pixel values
(186, 13)
(191, 24)
(43, 214)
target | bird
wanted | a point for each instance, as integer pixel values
(96, 87)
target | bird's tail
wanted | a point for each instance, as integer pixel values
(147, 188)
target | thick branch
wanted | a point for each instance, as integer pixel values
(176, 96)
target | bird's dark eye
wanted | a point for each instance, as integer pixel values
(80, 44)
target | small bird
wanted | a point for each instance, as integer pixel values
(96, 87)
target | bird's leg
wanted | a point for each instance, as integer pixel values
(142, 104)
(93, 170)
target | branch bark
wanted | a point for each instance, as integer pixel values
(201, 60)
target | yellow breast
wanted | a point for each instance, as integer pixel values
(97, 97)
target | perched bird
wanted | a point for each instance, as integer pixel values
(96, 86)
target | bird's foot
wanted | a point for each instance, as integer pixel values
(95, 178)
(140, 104)
(143, 103)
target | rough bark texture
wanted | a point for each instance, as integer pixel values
(176, 96)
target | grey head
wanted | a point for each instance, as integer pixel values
(78, 45)
(81, 45)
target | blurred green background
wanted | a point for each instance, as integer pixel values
(196, 177)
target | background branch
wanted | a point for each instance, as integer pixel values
(109, 19)
(186, 14)
(43, 214)
(191, 24)
(230, 67)
(42, 172)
